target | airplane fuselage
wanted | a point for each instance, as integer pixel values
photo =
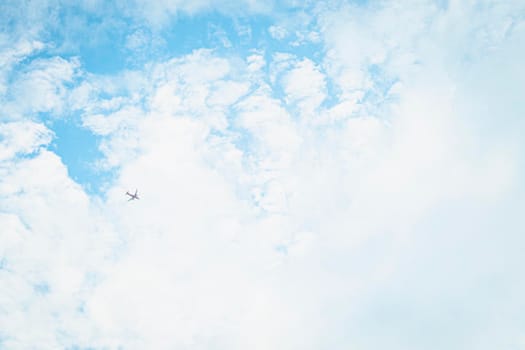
(132, 196)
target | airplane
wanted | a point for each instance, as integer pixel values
(132, 196)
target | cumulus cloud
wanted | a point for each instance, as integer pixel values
(368, 199)
(21, 138)
(305, 85)
(41, 87)
(47, 259)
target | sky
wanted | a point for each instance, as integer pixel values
(315, 175)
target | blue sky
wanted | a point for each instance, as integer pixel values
(109, 45)
(313, 175)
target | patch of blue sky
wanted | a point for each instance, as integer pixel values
(104, 44)
(243, 140)
(97, 39)
(102, 59)
(79, 150)
(217, 31)
(102, 41)
(230, 36)
(189, 33)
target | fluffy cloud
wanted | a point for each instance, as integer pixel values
(41, 87)
(47, 261)
(369, 199)
(20, 138)
(305, 85)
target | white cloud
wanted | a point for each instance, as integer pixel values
(256, 228)
(20, 138)
(270, 124)
(255, 62)
(47, 258)
(226, 93)
(277, 32)
(13, 54)
(281, 62)
(108, 124)
(41, 87)
(305, 85)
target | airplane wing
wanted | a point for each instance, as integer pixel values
(133, 196)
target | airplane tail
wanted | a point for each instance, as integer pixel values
(133, 196)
